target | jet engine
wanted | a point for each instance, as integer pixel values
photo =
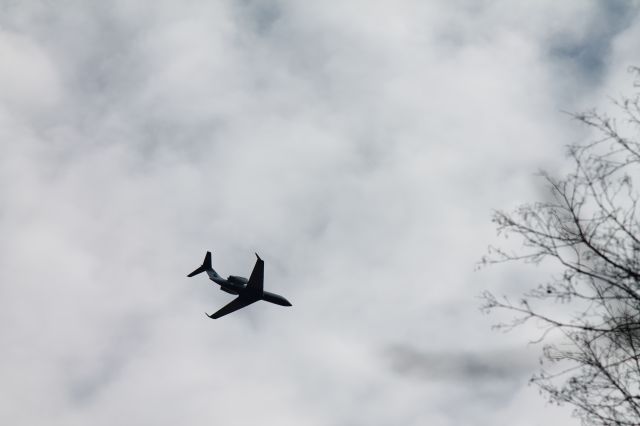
(234, 279)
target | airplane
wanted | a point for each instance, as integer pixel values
(248, 290)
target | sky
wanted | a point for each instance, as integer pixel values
(359, 147)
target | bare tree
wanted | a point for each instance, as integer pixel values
(590, 228)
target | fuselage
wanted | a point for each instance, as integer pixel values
(237, 285)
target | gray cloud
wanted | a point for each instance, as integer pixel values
(479, 381)
(585, 55)
(503, 366)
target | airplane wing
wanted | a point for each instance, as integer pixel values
(234, 305)
(254, 286)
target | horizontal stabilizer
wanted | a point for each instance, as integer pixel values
(197, 271)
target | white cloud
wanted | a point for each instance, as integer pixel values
(358, 147)
(28, 79)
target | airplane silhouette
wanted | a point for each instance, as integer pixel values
(248, 290)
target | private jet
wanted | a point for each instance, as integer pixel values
(248, 290)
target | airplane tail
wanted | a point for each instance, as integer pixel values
(205, 267)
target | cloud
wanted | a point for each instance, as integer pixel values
(358, 147)
(28, 77)
(468, 367)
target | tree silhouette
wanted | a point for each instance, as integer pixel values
(590, 228)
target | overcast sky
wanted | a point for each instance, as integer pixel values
(358, 146)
